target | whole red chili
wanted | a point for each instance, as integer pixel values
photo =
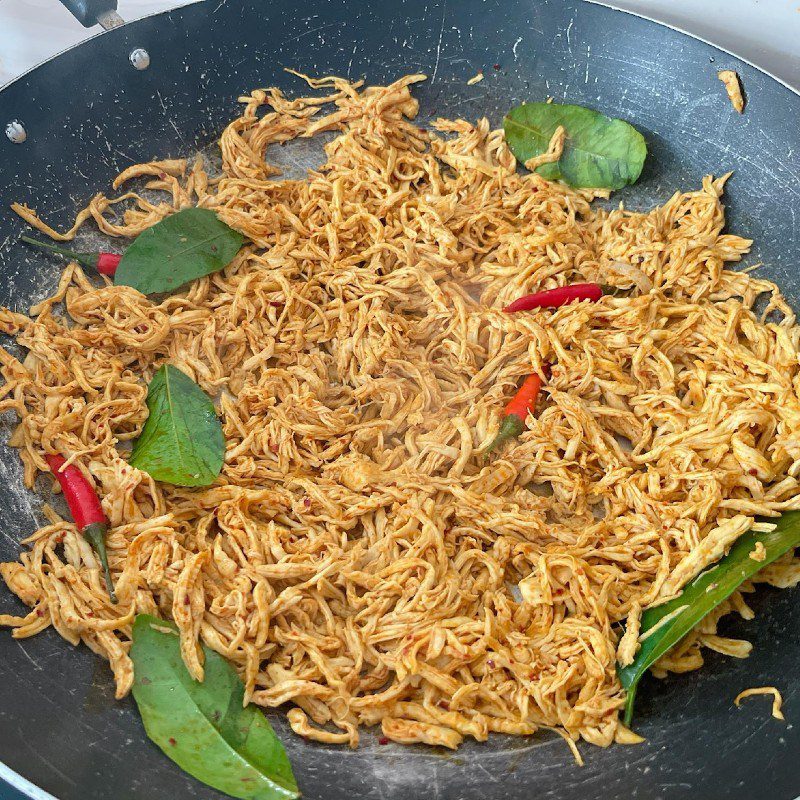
(522, 404)
(555, 298)
(86, 510)
(104, 263)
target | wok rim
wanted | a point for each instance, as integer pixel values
(92, 37)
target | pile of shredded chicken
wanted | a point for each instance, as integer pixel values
(358, 557)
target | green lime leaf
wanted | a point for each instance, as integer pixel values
(203, 727)
(178, 249)
(703, 595)
(182, 441)
(599, 152)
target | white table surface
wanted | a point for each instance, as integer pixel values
(764, 32)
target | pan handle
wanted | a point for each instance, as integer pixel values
(92, 12)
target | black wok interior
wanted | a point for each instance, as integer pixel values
(89, 114)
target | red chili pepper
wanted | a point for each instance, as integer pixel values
(86, 510)
(555, 298)
(516, 412)
(107, 263)
(104, 263)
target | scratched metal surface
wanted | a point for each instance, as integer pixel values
(89, 115)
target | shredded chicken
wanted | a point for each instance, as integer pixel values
(733, 86)
(625, 735)
(759, 552)
(555, 148)
(777, 700)
(629, 643)
(357, 558)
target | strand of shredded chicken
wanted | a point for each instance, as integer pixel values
(358, 558)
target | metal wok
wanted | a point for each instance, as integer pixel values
(89, 113)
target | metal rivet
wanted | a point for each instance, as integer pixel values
(15, 131)
(140, 58)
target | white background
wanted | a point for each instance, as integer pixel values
(765, 32)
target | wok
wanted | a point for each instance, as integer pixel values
(88, 113)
